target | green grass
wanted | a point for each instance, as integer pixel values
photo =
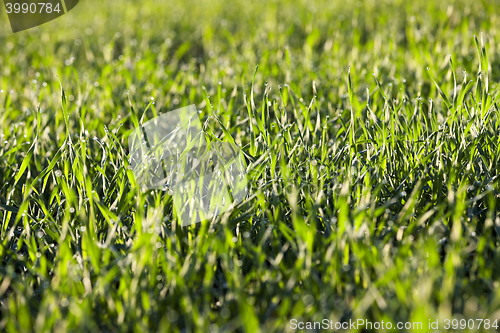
(373, 160)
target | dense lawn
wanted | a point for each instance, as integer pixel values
(371, 131)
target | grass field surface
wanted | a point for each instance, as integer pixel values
(371, 136)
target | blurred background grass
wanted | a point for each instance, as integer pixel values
(386, 212)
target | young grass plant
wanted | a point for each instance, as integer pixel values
(371, 196)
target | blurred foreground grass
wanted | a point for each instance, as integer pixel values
(373, 163)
